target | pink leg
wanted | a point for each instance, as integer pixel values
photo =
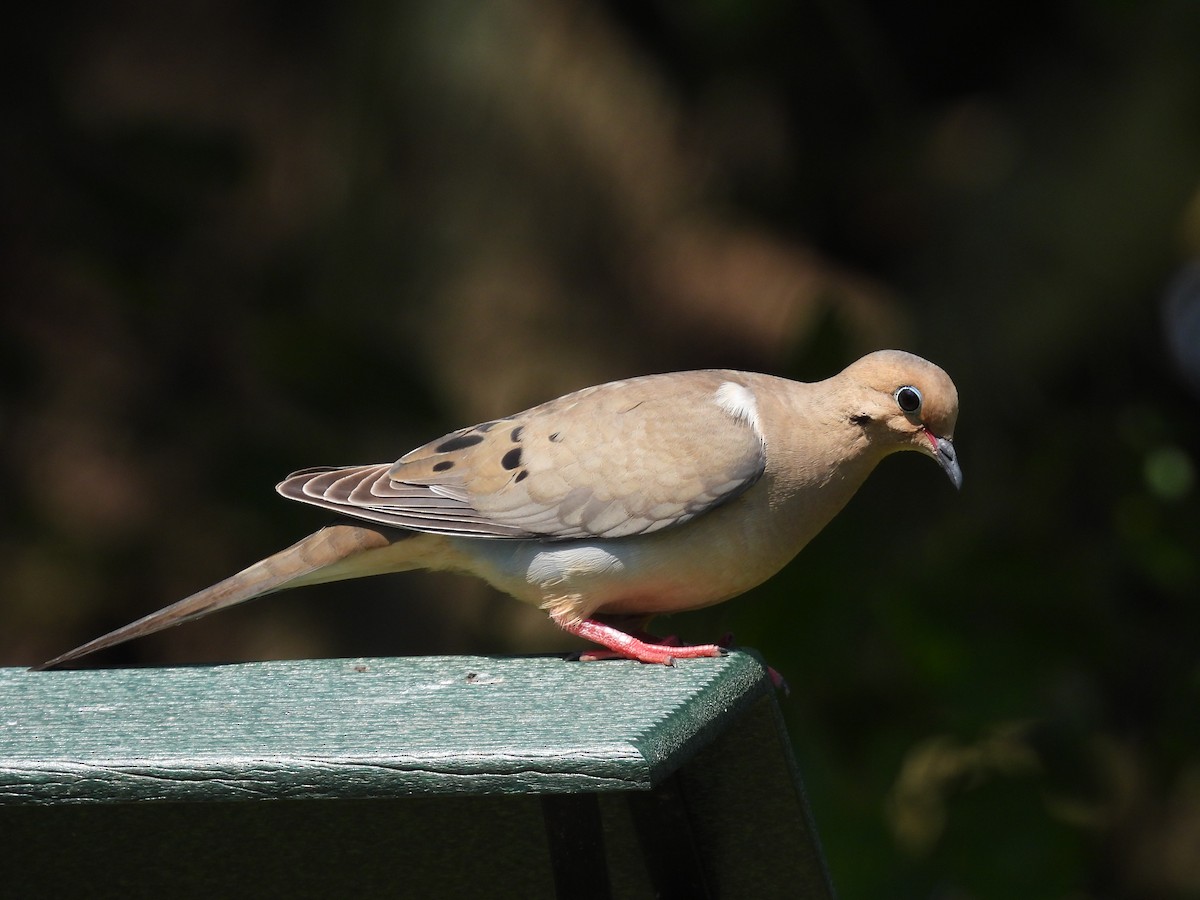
(638, 633)
(626, 646)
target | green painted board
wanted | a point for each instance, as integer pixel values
(428, 777)
(361, 729)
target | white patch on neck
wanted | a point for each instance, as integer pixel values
(738, 401)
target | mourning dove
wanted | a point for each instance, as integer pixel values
(614, 503)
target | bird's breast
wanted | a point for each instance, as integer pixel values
(722, 554)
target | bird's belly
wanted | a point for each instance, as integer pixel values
(659, 573)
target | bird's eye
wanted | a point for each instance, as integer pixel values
(908, 398)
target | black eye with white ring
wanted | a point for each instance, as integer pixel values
(908, 398)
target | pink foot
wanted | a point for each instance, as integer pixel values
(625, 646)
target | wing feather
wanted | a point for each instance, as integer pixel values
(629, 457)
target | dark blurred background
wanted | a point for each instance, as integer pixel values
(242, 238)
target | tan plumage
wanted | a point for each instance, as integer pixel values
(649, 495)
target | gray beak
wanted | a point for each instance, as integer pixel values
(948, 460)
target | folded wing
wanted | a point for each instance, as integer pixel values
(625, 458)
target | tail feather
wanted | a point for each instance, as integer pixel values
(309, 561)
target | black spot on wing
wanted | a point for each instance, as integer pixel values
(443, 465)
(461, 442)
(511, 459)
(516, 433)
(522, 475)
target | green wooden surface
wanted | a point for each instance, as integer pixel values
(430, 777)
(368, 728)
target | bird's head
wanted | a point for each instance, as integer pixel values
(903, 402)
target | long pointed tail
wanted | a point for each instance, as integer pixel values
(314, 559)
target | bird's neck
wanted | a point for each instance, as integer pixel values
(815, 468)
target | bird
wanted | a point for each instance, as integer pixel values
(607, 506)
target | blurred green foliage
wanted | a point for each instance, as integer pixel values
(244, 238)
